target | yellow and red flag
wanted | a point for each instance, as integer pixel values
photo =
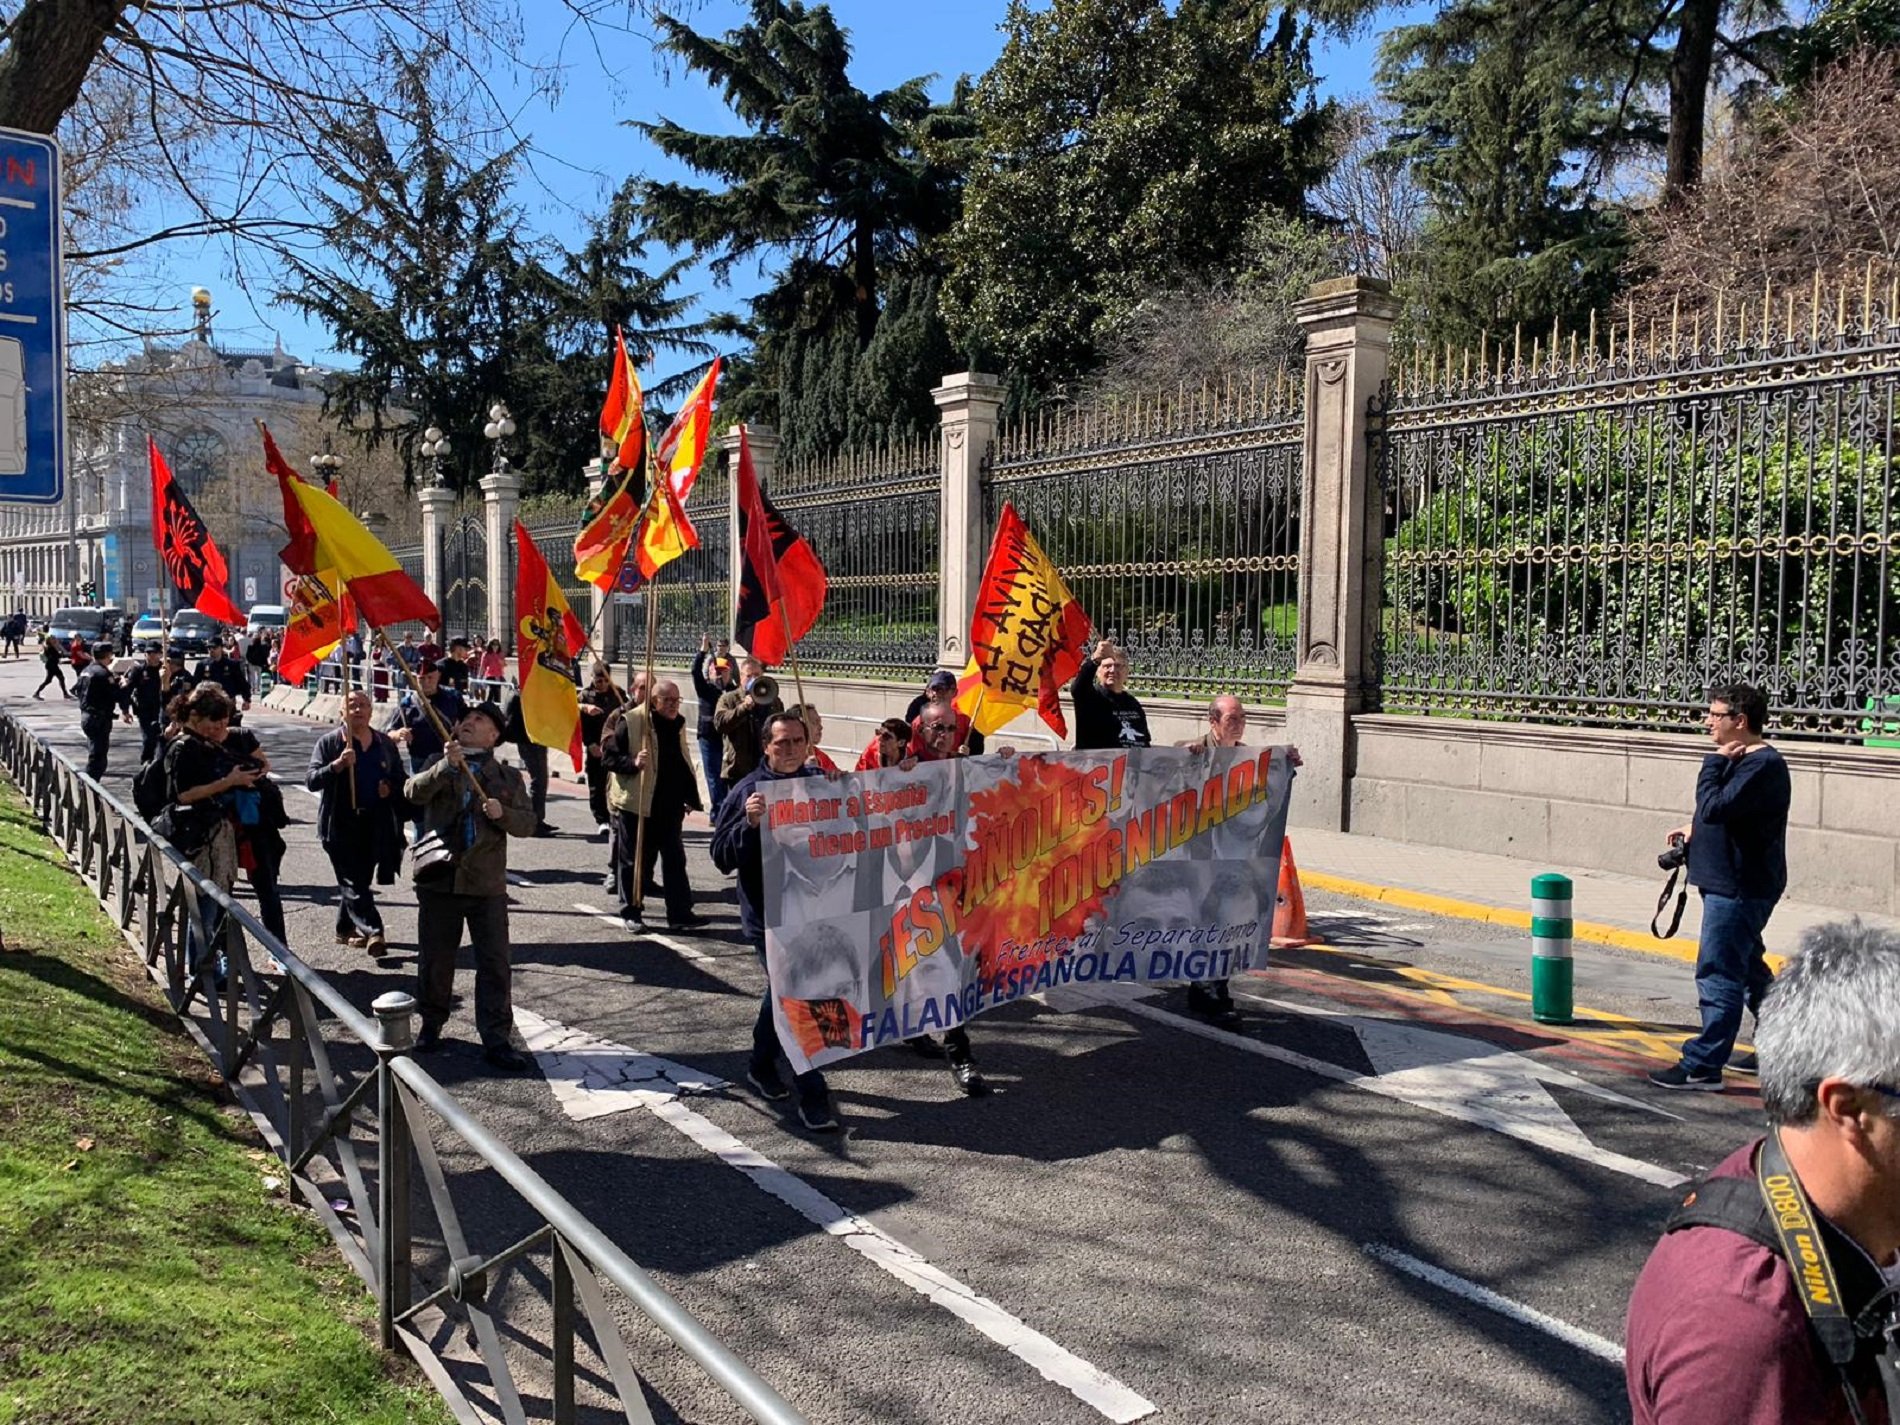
(548, 638)
(317, 618)
(683, 445)
(665, 533)
(1028, 635)
(612, 516)
(328, 539)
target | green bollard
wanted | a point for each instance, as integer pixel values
(1551, 965)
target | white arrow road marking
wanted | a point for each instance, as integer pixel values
(592, 1076)
(1486, 1086)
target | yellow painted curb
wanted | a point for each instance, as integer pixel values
(1679, 948)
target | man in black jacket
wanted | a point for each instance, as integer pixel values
(714, 675)
(1738, 859)
(145, 691)
(1107, 715)
(100, 696)
(224, 669)
(360, 829)
(534, 761)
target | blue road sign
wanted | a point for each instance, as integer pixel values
(32, 323)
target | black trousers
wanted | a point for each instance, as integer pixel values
(54, 673)
(766, 1047)
(98, 732)
(597, 791)
(440, 916)
(149, 732)
(534, 761)
(270, 902)
(664, 846)
(352, 852)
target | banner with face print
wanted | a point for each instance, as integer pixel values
(904, 903)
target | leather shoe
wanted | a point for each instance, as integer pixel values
(924, 1047)
(546, 828)
(429, 1040)
(376, 945)
(505, 1057)
(969, 1078)
(689, 921)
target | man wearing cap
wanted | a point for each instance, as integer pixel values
(410, 725)
(474, 802)
(145, 688)
(100, 696)
(941, 687)
(740, 717)
(223, 668)
(358, 826)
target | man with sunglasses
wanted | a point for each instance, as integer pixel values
(1770, 1299)
(1738, 860)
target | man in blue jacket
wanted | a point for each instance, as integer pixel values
(736, 847)
(1738, 860)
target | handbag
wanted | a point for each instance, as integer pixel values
(189, 828)
(431, 862)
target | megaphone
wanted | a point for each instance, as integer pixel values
(764, 688)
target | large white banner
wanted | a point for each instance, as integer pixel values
(903, 903)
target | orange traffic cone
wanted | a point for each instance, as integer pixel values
(1289, 909)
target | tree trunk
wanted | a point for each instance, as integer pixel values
(864, 274)
(50, 49)
(1689, 73)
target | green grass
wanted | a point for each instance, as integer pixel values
(147, 1273)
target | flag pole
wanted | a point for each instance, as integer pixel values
(441, 727)
(963, 743)
(791, 656)
(649, 746)
(343, 663)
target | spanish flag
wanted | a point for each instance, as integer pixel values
(318, 619)
(335, 541)
(683, 446)
(665, 534)
(601, 546)
(548, 638)
(1028, 635)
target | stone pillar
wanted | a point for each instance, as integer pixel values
(438, 507)
(1348, 325)
(969, 402)
(765, 444)
(501, 493)
(601, 615)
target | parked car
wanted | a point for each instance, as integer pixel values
(148, 632)
(85, 623)
(118, 628)
(194, 634)
(267, 616)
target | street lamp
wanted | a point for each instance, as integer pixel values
(326, 462)
(500, 426)
(435, 447)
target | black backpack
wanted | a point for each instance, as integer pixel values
(152, 786)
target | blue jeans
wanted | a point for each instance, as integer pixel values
(1730, 975)
(711, 749)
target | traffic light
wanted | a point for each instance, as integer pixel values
(90, 590)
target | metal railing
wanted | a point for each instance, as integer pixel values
(356, 1123)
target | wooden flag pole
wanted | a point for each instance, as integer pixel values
(649, 746)
(963, 743)
(791, 656)
(343, 663)
(441, 727)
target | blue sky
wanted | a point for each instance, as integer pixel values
(582, 148)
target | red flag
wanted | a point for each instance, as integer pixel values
(185, 548)
(781, 585)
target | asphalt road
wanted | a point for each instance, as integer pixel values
(1390, 1194)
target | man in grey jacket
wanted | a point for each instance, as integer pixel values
(474, 802)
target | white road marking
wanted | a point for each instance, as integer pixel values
(1092, 1386)
(678, 947)
(591, 1077)
(1587, 1341)
(1500, 1099)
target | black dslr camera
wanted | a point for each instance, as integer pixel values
(1676, 854)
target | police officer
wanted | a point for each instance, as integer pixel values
(100, 695)
(145, 691)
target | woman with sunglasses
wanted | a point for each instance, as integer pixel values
(889, 747)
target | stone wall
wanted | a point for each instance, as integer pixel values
(1605, 800)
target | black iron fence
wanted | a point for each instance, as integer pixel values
(1587, 538)
(1176, 523)
(362, 1129)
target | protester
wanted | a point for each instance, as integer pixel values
(78, 654)
(408, 652)
(534, 760)
(430, 649)
(714, 675)
(1738, 860)
(145, 691)
(457, 666)
(260, 817)
(101, 695)
(889, 747)
(359, 831)
(53, 659)
(1723, 1324)
(598, 699)
(409, 724)
(1107, 715)
(740, 718)
(941, 687)
(1226, 727)
(938, 730)
(652, 770)
(736, 847)
(258, 657)
(815, 727)
(474, 820)
(224, 669)
(493, 668)
(202, 779)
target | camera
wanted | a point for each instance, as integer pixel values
(764, 688)
(1674, 856)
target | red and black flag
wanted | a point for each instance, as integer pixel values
(184, 545)
(781, 584)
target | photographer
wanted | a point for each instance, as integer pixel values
(714, 675)
(1723, 1323)
(1737, 859)
(740, 719)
